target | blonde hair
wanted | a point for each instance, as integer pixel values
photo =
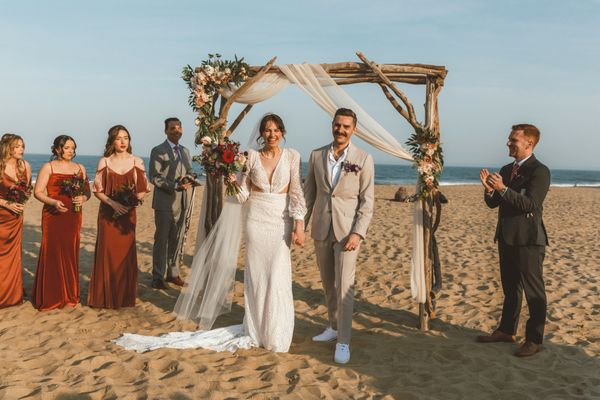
(7, 144)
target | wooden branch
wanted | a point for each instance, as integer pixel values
(374, 78)
(411, 111)
(369, 79)
(431, 106)
(353, 67)
(239, 119)
(395, 104)
(247, 84)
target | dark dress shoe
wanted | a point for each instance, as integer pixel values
(496, 337)
(528, 349)
(175, 281)
(159, 285)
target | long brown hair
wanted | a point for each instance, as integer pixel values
(113, 132)
(7, 143)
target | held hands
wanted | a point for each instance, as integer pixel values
(352, 242)
(298, 237)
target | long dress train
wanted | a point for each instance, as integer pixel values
(269, 305)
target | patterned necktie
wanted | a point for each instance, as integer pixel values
(515, 170)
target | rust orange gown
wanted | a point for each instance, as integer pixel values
(11, 234)
(56, 282)
(113, 283)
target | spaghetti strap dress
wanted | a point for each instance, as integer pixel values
(56, 282)
(11, 235)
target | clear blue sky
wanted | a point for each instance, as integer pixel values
(79, 67)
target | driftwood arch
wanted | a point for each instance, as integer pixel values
(347, 73)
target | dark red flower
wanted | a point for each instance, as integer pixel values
(228, 156)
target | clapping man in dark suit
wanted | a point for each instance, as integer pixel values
(519, 191)
(169, 162)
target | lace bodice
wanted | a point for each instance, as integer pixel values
(287, 172)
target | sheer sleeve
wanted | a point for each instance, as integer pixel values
(99, 180)
(244, 180)
(141, 181)
(297, 208)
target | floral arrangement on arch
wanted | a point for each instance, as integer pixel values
(428, 160)
(205, 82)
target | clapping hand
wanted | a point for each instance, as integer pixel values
(483, 177)
(495, 181)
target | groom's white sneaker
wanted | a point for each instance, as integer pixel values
(328, 335)
(342, 353)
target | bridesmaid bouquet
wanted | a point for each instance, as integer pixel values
(74, 187)
(19, 193)
(222, 160)
(127, 196)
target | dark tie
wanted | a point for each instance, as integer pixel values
(177, 153)
(514, 172)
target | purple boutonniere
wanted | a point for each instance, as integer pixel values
(351, 167)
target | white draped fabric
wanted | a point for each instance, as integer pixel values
(313, 80)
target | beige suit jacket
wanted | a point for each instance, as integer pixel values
(349, 206)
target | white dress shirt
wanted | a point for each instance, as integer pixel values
(335, 166)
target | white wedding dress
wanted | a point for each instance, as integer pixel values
(268, 214)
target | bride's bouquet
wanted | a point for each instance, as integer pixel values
(223, 159)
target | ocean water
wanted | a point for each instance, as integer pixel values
(387, 174)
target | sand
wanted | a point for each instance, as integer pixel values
(68, 354)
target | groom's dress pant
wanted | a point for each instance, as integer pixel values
(337, 269)
(521, 270)
(168, 225)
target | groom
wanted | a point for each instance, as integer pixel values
(339, 191)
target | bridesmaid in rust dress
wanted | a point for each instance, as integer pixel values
(56, 282)
(113, 283)
(14, 171)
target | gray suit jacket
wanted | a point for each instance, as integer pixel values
(349, 206)
(163, 175)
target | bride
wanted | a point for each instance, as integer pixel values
(272, 217)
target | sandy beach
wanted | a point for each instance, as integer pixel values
(68, 354)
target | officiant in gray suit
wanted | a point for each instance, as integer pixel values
(169, 162)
